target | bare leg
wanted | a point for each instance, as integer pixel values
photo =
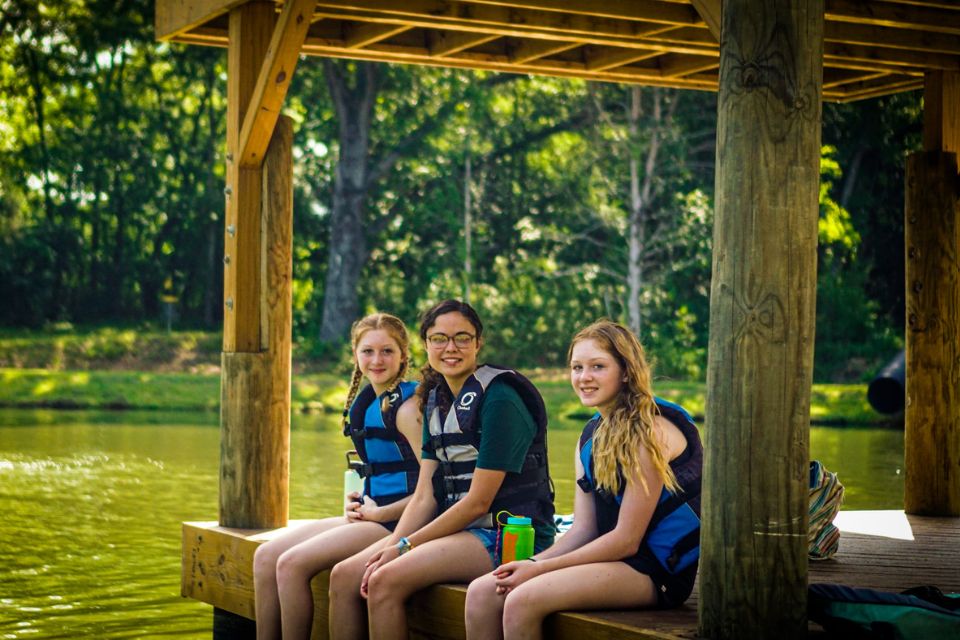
(348, 610)
(460, 557)
(297, 566)
(267, 602)
(484, 609)
(605, 585)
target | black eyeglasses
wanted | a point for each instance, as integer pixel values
(461, 340)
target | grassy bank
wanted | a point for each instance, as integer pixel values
(831, 404)
(143, 368)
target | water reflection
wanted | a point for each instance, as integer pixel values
(92, 506)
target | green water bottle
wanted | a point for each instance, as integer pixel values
(517, 539)
(352, 480)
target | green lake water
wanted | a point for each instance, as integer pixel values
(91, 506)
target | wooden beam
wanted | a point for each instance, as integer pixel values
(446, 43)
(885, 14)
(622, 34)
(251, 27)
(497, 62)
(676, 66)
(884, 57)
(364, 34)
(941, 111)
(601, 59)
(917, 41)
(668, 12)
(175, 17)
(753, 563)
(488, 19)
(845, 94)
(530, 50)
(274, 78)
(932, 414)
(709, 10)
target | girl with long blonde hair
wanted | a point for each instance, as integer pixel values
(383, 420)
(635, 535)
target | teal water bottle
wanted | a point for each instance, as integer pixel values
(517, 539)
(352, 480)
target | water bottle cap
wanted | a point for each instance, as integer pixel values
(519, 520)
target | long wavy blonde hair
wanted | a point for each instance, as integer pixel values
(630, 425)
(376, 322)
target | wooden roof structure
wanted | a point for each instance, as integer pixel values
(871, 47)
(778, 60)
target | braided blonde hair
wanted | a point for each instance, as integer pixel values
(618, 438)
(376, 322)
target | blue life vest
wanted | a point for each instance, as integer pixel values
(455, 440)
(673, 533)
(390, 465)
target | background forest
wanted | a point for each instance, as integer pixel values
(549, 202)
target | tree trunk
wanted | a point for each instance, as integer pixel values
(348, 242)
(640, 197)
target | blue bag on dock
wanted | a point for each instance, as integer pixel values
(921, 613)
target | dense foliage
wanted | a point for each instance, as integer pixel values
(111, 178)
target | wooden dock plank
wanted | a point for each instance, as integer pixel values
(883, 550)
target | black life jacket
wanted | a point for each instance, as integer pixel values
(455, 440)
(673, 533)
(390, 465)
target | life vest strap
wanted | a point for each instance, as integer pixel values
(380, 468)
(687, 543)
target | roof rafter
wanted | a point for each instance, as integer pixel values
(274, 80)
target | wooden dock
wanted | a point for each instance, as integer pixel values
(884, 550)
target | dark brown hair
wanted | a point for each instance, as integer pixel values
(429, 377)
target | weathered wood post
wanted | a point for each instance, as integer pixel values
(753, 571)
(932, 239)
(255, 378)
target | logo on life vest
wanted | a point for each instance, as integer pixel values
(393, 397)
(467, 399)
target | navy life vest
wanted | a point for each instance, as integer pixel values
(390, 465)
(455, 440)
(673, 533)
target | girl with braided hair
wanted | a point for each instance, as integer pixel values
(636, 528)
(484, 451)
(383, 419)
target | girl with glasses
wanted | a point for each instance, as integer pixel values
(636, 528)
(383, 420)
(484, 451)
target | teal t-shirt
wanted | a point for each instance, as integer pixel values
(506, 431)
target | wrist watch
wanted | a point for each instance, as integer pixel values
(403, 546)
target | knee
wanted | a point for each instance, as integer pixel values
(482, 602)
(345, 579)
(264, 562)
(290, 568)
(384, 585)
(520, 611)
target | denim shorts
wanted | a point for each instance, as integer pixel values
(489, 539)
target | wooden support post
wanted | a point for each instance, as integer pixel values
(753, 567)
(251, 26)
(932, 417)
(255, 395)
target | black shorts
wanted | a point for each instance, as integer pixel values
(673, 589)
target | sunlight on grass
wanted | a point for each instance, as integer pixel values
(44, 387)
